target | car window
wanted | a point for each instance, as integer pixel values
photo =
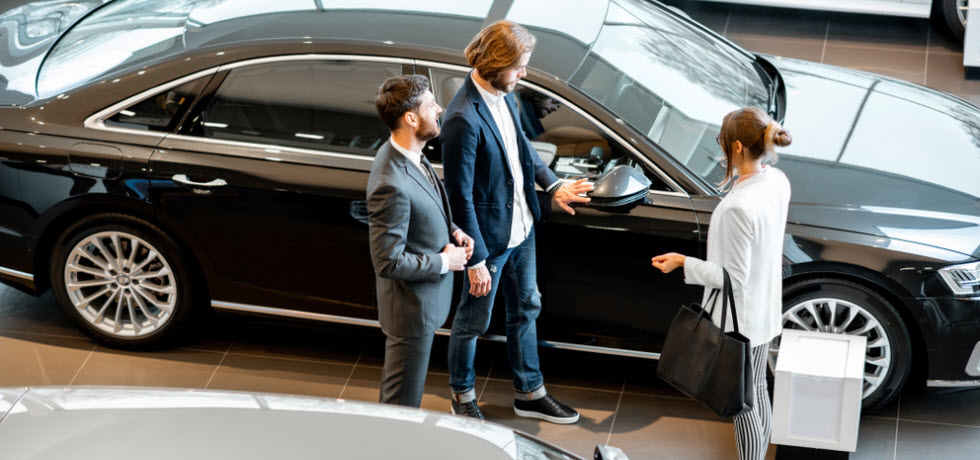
(571, 145)
(325, 105)
(159, 112)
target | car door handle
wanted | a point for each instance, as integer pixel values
(183, 179)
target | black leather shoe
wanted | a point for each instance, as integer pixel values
(467, 409)
(546, 408)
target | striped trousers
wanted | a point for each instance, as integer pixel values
(752, 429)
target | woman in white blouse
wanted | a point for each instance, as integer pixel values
(746, 238)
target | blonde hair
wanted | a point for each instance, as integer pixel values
(498, 47)
(758, 133)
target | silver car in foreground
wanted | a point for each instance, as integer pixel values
(117, 423)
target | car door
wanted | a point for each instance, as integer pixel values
(598, 287)
(262, 175)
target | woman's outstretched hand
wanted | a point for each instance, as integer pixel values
(668, 262)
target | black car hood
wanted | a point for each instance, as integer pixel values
(26, 34)
(841, 180)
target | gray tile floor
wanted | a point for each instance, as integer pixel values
(621, 401)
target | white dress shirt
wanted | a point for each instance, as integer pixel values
(746, 238)
(416, 159)
(521, 224)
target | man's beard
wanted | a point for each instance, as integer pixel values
(502, 85)
(428, 131)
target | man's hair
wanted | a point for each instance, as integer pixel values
(398, 95)
(498, 47)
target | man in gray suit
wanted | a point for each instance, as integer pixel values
(412, 235)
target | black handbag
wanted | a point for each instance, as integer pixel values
(704, 362)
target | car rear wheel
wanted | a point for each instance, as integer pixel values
(843, 307)
(123, 281)
(950, 16)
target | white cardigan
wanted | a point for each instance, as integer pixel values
(746, 237)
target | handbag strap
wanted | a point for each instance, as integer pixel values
(728, 296)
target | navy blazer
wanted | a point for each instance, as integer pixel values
(477, 173)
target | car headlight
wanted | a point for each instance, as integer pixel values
(529, 448)
(963, 279)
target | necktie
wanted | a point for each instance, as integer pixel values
(430, 173)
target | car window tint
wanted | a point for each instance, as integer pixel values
(570, 144)
(159, 112)
(324, 105)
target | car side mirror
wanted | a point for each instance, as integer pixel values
(609, 453)
(619, 189)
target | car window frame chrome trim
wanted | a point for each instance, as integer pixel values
(97, 120)
(323, 317)
(678, 190)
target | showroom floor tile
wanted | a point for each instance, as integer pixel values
(621, 401)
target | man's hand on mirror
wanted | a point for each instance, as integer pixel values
(569, 193)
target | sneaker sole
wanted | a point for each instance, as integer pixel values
(548, 418)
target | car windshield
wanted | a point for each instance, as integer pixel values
(670, 81)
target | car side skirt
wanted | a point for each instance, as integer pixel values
(270, 311)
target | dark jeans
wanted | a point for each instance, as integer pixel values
(516, 270)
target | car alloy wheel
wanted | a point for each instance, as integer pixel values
(120, 284)
(840, 306)
(839, 316)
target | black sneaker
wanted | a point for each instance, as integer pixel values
(467, 409)
(546, 408)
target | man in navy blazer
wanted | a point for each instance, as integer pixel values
(490, 170)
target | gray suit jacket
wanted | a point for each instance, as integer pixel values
(409, 224)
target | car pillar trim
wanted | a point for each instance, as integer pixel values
(17, 273)
(639, 156)
(232, 306)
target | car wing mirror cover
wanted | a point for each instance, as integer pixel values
(620, 187)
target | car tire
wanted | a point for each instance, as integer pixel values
(946, 16)
(847, 307)
(123, 281)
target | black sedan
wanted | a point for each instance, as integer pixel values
(158, 158)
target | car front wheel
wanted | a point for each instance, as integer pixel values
(123, 281)
(843, 307)
(950, 16)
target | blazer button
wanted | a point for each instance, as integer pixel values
(510, 205)
(510, 181)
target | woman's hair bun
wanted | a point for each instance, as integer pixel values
(782, 138)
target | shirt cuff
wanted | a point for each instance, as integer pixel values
(478, 264)
(554, 186)
(690, 264)
(445, 263)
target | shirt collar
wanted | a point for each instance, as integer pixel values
(414, 157)
(752, 179)
(492, 99)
